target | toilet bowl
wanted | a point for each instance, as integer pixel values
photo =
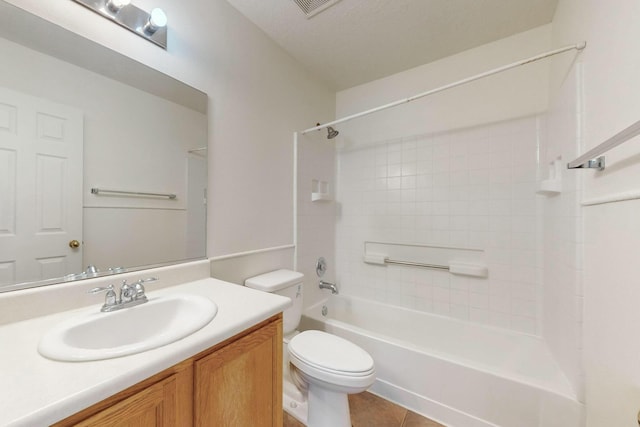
(320, 369)
(329, 368)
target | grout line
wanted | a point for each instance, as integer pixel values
(404, 419)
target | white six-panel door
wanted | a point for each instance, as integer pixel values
(40, 188)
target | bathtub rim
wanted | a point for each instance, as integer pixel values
(564, 390)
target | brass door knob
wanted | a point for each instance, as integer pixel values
(74, 244)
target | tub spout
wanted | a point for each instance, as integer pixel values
(331, 286)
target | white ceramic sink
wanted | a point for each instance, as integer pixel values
(97, 335)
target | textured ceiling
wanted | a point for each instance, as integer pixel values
(356, 41)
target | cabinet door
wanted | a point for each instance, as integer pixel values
(241, 384)
(154, 406)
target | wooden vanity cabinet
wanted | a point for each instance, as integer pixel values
(153, 406)
(235, 383)
(241, 384)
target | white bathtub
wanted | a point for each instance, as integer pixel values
(458, 373)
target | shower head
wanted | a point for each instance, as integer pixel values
(331, 133)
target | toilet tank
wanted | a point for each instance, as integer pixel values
(287, 283)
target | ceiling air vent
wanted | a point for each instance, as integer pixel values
(313, 7)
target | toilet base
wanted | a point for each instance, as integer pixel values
(327, 408)
(330, 409)
(293, 402)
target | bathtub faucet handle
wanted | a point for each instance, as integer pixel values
(327, 285)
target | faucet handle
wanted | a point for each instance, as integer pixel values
(110, 298)
(139, 288)
(100, 289)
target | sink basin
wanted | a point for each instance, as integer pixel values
(97, 335)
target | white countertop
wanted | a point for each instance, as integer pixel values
(35, 391)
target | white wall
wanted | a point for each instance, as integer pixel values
(236, 268)
(316, 220)
(456, 169)
(611, 232)
(516, 93)
(258, 97)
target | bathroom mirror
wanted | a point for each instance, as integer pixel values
(103, 160)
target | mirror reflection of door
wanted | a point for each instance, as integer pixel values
(40, 192)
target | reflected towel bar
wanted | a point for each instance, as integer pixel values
(132, 193)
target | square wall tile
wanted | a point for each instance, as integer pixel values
(472, 188)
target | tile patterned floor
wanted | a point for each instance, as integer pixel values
(368, 410)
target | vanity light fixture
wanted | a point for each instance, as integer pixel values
(157, 20)
(151, 26)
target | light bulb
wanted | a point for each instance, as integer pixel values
(157, 20)
(116, 5)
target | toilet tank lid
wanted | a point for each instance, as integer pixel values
(274, 280)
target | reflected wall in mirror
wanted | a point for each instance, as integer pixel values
(86, 117)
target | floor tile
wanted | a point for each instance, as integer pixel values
(414, 420)
(289, 421)
(369, 410)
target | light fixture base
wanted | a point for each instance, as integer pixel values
(130, 17)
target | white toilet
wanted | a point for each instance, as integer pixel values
(322, 367)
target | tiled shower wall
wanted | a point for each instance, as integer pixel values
(473, 188)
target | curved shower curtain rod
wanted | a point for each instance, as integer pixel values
(577, 46)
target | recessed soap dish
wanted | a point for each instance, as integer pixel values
(552, 185)
(320, 191)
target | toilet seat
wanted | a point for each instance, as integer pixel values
(331, 359)
(323, 369)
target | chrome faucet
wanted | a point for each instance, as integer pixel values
(130, 295)
(327, 285)
(91, 271)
